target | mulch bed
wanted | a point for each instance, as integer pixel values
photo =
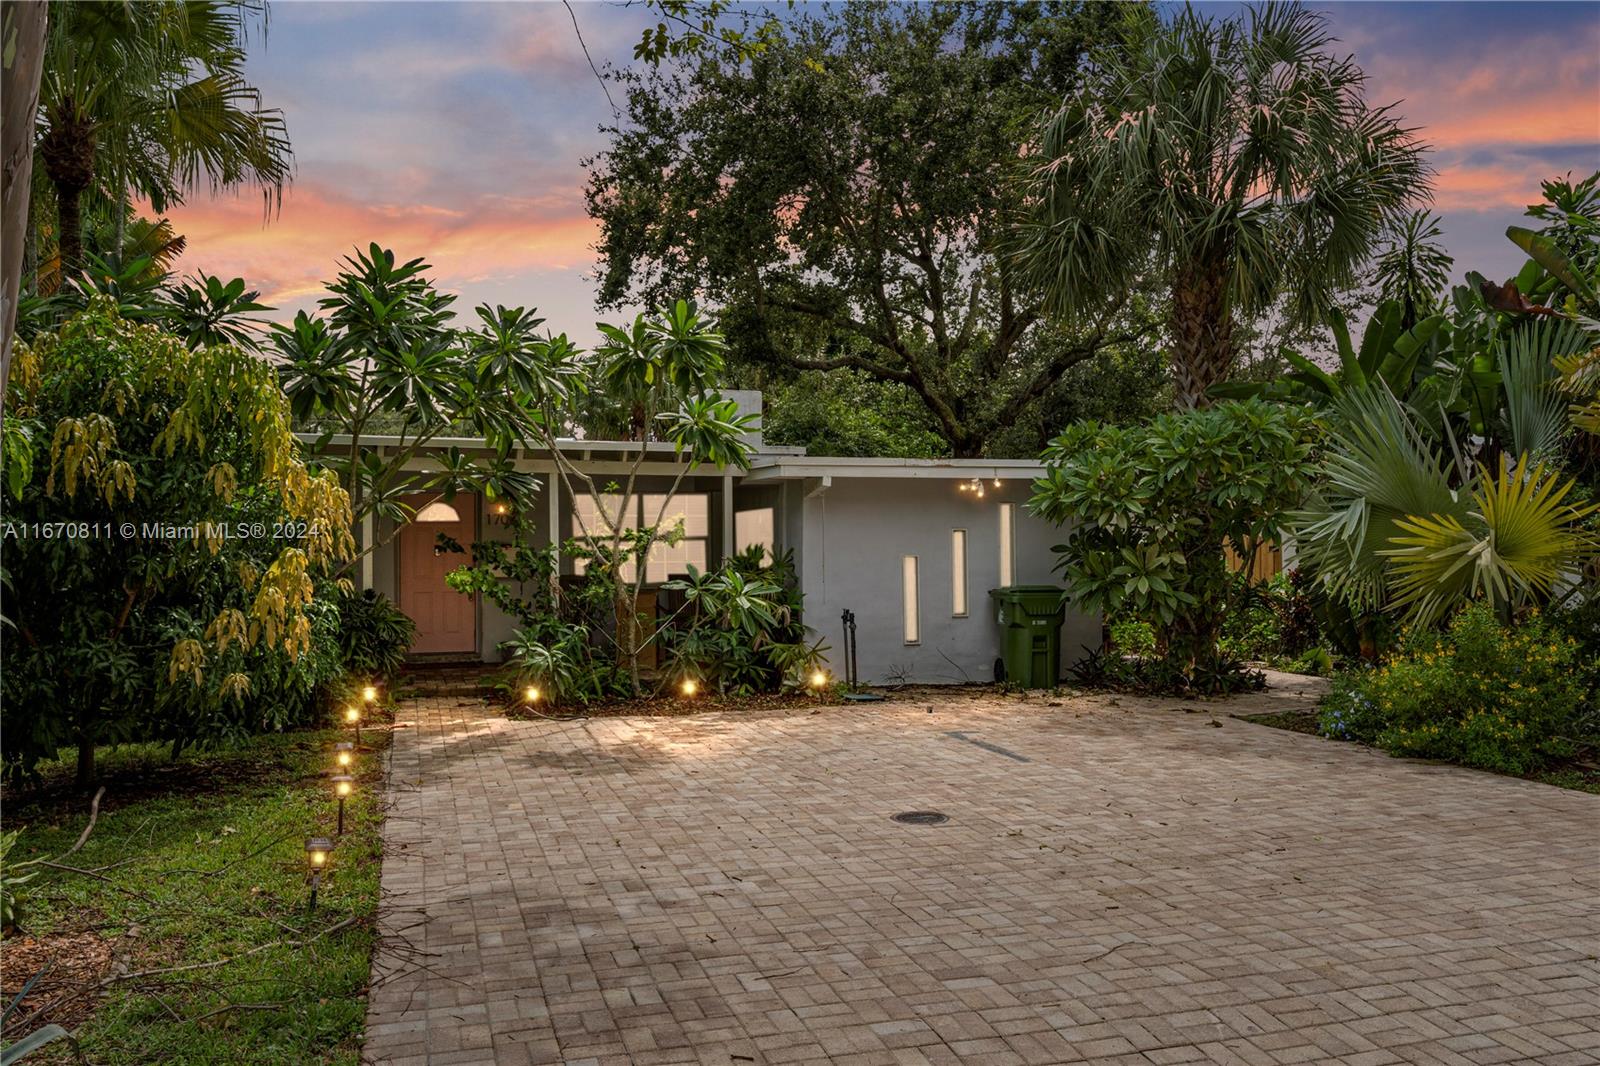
(666, 706)
(69, 989)
(1295, 721)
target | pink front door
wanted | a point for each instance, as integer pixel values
(446, 620)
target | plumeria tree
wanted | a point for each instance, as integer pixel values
(385, 359)
(1149, 508)
(659, 373)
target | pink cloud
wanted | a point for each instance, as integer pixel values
(291, 256)
(1538, 90)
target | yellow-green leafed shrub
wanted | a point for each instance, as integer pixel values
(1481, 694)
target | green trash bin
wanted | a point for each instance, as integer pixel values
(1030, 619)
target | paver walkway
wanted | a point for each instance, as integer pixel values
(1131, 884)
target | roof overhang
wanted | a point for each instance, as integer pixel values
(801, 467)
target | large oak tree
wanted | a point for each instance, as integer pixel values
(846, 195)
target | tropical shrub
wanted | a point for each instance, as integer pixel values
(1399, 523)
(11, 883)
(374, 635)
(1149, 507)
(1252, 629)
(1465, 468)
(167, 550)
(740, 629)
(1480, 693)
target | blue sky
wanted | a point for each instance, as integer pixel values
(456, 131)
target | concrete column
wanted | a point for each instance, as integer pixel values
(727, 516)
(368, 537)
(553, 500)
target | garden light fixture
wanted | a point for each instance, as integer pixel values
(531, 693)
(353, 717)
(818, 679)
(344, 753)
(370, 693)
(689, 688)
(318, 850)
(343, 786)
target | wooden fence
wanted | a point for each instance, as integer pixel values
(1261, 561)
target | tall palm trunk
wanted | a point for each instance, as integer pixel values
(68, 155)
(22, 27)
(1202, 331)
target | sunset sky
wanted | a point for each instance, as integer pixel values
(455, 131)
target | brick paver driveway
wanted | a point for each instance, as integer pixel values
(1121, 882)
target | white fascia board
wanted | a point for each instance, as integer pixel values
(929, 469)
(569, 445)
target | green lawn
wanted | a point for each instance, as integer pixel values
(201, 861)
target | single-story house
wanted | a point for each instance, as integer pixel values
(910, 546)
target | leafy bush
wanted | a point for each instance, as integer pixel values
(374, 635)
(11, 883)
(556, 657)
(1252, 629)
(740, 627)
(1149, 507)
(1129, 636)
(1480, 694)
(168, 555)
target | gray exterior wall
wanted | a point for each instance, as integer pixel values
(850, 540)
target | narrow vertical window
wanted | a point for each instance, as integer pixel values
(1008, 572)
(908, 602)
(958, 572)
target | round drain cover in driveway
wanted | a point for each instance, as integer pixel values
(920, 818)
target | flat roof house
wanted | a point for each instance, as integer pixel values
(910, 546)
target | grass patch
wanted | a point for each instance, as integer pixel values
(200, 863)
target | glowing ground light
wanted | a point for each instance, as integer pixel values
(531, 694)
(689, 688)
(317, 851)
(818, 679)
(369, 693)
(343, 786)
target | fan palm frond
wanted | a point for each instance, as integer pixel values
(1520, 539)
(1379, 471)
(1535, 409)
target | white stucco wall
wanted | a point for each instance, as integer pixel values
(852, 539)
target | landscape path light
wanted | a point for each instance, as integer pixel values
(344, 753)
(343, 786)
(818, 679)
(318, 851)
(689, 687)
(531, 694)
(352, 716)
(370, 693)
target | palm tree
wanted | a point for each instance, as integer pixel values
(150, 99)
(1235, 160)
(1414, 269)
